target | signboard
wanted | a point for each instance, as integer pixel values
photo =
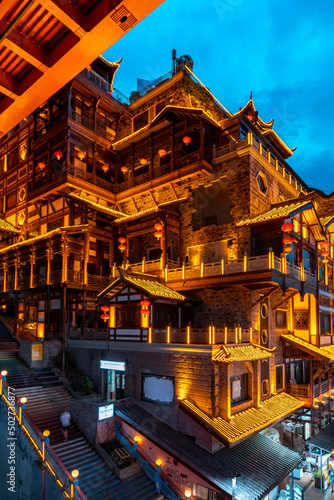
(106, 411)
(298, 492)
(36, 352)
(112, 365)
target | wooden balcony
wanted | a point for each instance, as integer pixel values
(303, 391)
(273, 268)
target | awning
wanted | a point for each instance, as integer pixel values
(239, 353)
(261, 463)
(247, 422)
(96, 206)
(325, 439)
(326, 352)
(6, 227)
(289, 209)
(146, 284)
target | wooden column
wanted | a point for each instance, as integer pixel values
(85, 258)
(5, 268)
(32, 261)
(312, 395)
(132, 170)
(64, 263)
(172, 156)
(164, 242)
(257, 384)
(47, 312)
(151, 157)
(94, 163)
(48, 271)
(202, 141)
(16, 273)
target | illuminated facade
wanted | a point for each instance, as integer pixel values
(182, 225)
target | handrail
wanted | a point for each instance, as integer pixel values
(151, 469)
(40, 443)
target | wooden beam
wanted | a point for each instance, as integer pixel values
(286, 299)
(265, 296)
(154, 200)
(317, 373)
(135, 204)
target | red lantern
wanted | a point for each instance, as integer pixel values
(145, 303)
(122, 240)
(288, 239)
(124, 169)
(122, 247)
(58, 155)
(105, 317)
(158, 226)
(288, 249)
(325, 261)
(325, 253)
(287, 226)
(187, 140)
(143, 161)
(81, 155)
(157, 234)
(162, 153)
(325, 244)
(250, 117)
(105, 168)
(41, 165)
(105, 308)
(146, 312)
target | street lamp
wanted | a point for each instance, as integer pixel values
(74, 474)
(187, 493)
(22, 407)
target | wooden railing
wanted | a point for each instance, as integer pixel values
(237, 266)
(303, 391)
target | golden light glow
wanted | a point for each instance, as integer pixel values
(4, 373)
(253, 420)
(46, 433)
(158, 462)
(23, 400)
(75, 473)
(187, 493)
(137, 439)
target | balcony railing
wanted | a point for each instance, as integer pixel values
(90, 124)
(74, 276)
(303, 391)
(104, 85)
(39, 280)
(151, 265)
(244, 265)
(98, 281)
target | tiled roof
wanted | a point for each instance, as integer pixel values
(7, 227)
(44, 236)
(261, 462)
(247, 422)
(102, 208)
(280, 212)
(241, 353)
(149, 211)
(324, 352)
(325, 439)
(327, 221)
(147, 284)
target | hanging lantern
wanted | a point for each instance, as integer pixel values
(325, 261)
(122, 240)
(287, 226)
(287, 240)
(145, 303)
(41, 165)
(143, 161)
(124, 169)
(145, 312)
(121, 247)
(58, 155)
(325, 244)
(187, 140)
(288, 249)
(250, 117)
(105, 317)
(158, 226)
(157, 234)
(324, 253)
(105, 308)
(81, 155)
(162, 153)
(105, 168)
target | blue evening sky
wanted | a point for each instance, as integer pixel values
(282, 50)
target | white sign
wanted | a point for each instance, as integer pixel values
(112, 365)
(106, 412)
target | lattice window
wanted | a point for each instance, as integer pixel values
(301, 320)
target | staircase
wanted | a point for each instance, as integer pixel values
(47, 398)
(7, 342)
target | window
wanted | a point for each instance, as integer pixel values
(265, 387)
(301, 320)
(203, 493)
(262, 183)
(325, 324)
(239, 389)
(281, 317)
(11, 200)
(279, 377)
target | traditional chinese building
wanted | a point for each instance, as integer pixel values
(177, 256)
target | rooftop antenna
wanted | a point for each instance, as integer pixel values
(174, 60)
(251, 95)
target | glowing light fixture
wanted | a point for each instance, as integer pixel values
(325, 244)
(324, 253)
(124, 169)
(105, 317)
(187, 493)
(162, 153)
(187, 140)
(158, 226)
(157, 234)
(74, 473)
(287, 226)
(143, 161)
(41, 165)
(136, 439)
(288, 249)
(81, 155)
(58, 155)
(105, 168)
(105, 308)
(287, 240)
(122, 246)
(158, 462)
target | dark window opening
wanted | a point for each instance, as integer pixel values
(239, 388)
(140, 121)
(279, 378)
(281, 317)
(301, 320)
(325, 324)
